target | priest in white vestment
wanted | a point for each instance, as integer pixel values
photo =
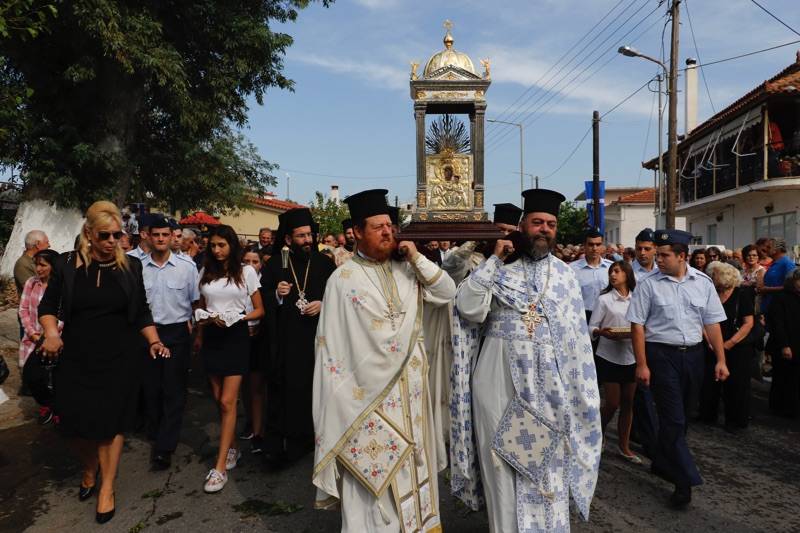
(372, 412)
(525, 404)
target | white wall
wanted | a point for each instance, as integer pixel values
(60, 225)
(737, 227)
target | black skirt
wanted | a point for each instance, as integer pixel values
(608, 372)
(226, 351)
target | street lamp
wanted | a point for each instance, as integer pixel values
(629, 51)
(521, 171)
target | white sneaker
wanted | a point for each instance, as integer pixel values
(215, 481)
(232, 459)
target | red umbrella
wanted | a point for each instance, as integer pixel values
(200, 218)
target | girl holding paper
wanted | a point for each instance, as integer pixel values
(226, 286)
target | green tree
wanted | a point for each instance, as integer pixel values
(328, 213)
(571, 223)
(143, 100)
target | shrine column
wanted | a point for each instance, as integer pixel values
(419, 115)
(477, 126)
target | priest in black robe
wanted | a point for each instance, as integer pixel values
(293, 283)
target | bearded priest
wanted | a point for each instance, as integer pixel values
(525, 402)
(372, 411)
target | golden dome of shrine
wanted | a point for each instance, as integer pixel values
(448, 57)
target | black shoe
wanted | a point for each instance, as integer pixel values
(681, 497)
(45, 416)
(84, 493)
(162, 460)
(247, 433)
(256, 444)
(102, 518)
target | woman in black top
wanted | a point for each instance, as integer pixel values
(98, 293)
(784, 343)
(739, 305)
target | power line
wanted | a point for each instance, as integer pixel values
(545, 89)
(768, 12)
(697, 52)
(580, 142)
(748, 54)
(535, 85)
(533, 108)
(304, 172)
(541, 112)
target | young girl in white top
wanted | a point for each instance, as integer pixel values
(616, 365)
(226, 286)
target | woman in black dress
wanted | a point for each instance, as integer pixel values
(98, 292)
(738, 302)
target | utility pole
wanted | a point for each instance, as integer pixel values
(521, 146)
(287, 185)
(596, 169)
(672, 133)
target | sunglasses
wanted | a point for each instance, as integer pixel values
(105, 235)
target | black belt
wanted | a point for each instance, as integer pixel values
(175, 325)
(678, 348)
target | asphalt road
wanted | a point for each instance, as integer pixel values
(752, 484)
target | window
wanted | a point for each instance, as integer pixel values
(711, 234)
(781, 226)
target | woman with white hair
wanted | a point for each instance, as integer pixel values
(739, 304)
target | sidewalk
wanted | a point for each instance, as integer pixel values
(16, 410)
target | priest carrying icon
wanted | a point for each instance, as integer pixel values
(525, 404)
(372, 411)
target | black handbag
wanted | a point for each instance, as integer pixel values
(4, 370)
(37, 375)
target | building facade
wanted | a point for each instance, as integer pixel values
(739, 171)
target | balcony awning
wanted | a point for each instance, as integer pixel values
(728, 130)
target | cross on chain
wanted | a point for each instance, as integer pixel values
(391, 315)
(531, 318)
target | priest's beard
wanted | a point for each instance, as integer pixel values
(379, 251)
(537, 246)
(301, 252)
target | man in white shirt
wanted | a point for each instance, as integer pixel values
(591, 270)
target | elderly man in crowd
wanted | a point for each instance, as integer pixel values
(25, 268)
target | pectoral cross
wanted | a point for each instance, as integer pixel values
(392, 316)
(531, 318)
(301, 302)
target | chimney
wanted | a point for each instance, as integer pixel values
(335, 193)
(690, 94)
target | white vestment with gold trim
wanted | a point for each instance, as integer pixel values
(372, 411)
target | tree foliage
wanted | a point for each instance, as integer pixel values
(571, 223)
(328, 213)
(136, 100)
(447, 134)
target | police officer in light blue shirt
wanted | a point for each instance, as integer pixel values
(669, 312)
(172, 286)
(591, 270)
(645, 262)
(143, 248)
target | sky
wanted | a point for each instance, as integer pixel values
(349, 121)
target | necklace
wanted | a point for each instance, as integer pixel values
(391, 314)
(301, 302)
(103, 266)
(531, 317)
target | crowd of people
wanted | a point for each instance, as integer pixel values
(391, 362)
